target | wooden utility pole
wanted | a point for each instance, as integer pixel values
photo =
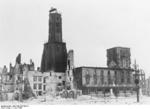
(137, 80)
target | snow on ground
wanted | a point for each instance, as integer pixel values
(81, 100)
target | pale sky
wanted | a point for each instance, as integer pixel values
(89, 28)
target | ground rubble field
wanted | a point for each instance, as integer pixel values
(81, 100)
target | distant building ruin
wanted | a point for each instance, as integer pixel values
(118, 57)
(118, 76)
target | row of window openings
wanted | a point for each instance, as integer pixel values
(40, 78)
(102, 74)
(39, 86)
(109, 81)
(102, 79)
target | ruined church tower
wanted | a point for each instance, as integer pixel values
(54, 56)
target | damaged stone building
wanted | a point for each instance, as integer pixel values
(12, 82)
(23, 81)
(118, 76)
(102, 79)
(55, 57)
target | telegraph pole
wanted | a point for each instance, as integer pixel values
(137, 80)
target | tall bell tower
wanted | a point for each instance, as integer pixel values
(54, 56)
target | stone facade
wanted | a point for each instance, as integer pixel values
(54, 82)
(69, 71)
(35, 79)
(46, 82)
(100, 78)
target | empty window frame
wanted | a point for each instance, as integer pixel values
(34, 86)
(39, 86)
(34, 78)
(40, 78)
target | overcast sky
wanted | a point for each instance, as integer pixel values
(89, 28)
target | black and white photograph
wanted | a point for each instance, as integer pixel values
(74, 52)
